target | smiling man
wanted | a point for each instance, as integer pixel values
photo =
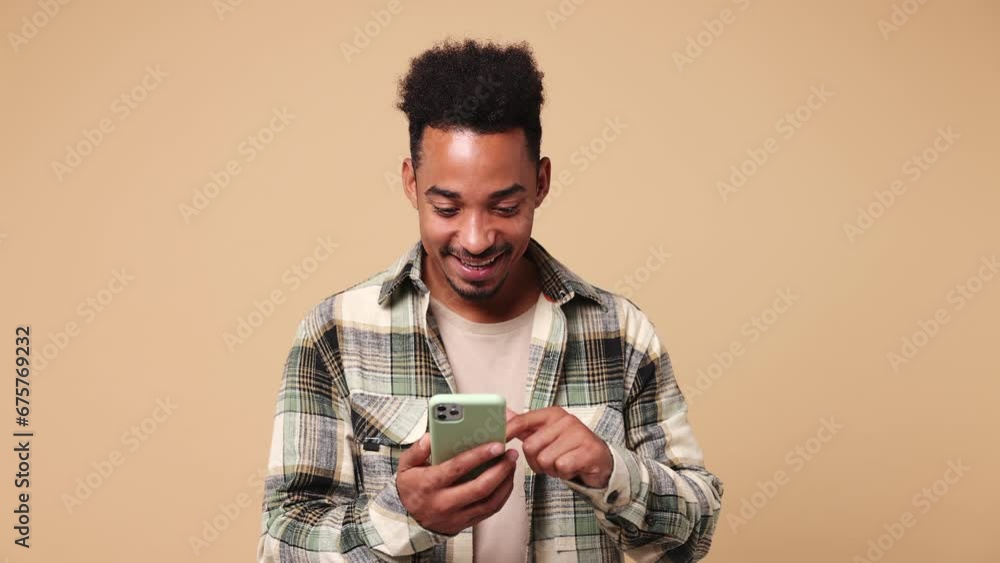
(603, 464)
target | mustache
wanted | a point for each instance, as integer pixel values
(489, 254)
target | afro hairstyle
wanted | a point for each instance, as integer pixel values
(478, 86)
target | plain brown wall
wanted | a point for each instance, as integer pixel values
(331, 173)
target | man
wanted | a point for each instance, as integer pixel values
(604, 467)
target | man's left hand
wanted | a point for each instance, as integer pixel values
(557, 443)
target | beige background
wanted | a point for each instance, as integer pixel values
(330, 172)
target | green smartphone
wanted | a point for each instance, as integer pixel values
(462, 421)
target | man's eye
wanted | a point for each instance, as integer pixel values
(451, 211)
(445, 211)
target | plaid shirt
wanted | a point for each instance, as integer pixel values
(354, 395)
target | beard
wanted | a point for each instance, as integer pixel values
(470, 293)
(468, 290)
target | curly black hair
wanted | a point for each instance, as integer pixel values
(474, 85)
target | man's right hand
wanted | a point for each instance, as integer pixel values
(437, 499)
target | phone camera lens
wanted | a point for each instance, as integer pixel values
(441, 408)
(442, 416)
(454, 412)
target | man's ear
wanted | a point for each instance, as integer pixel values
(409, 181)
(542, 180)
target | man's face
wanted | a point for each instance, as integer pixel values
(475, 195)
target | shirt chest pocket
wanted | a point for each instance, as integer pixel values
(383, 427)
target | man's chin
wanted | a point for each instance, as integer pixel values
(476, 291)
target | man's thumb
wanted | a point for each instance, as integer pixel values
(417, 454)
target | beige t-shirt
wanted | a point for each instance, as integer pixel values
(493, 358)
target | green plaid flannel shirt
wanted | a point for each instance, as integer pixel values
(353, 396)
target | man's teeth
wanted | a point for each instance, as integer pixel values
(480, 264)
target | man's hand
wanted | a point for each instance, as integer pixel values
(437, 499)
(557, 443)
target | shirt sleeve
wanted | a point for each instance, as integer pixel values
(313, 508)
(660, 501)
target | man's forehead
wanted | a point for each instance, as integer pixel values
(456, 144)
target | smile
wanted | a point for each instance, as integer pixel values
(479, 265)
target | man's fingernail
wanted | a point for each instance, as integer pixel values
(496, 449)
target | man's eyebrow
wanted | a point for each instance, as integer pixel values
(455, 196)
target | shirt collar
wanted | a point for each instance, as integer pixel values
(559, 284)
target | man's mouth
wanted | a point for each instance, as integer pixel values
(479, 264)
(479, 270)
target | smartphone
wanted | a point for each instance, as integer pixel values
(462, 421)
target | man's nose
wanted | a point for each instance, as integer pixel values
(477, 235)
